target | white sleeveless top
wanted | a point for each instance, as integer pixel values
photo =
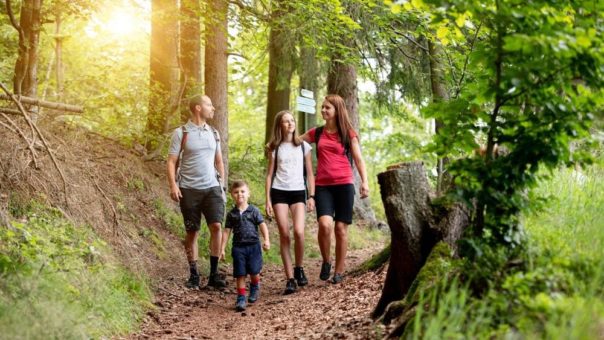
(289, 174)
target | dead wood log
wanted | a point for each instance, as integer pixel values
(46, 104)
(34, 127)
(416, 225)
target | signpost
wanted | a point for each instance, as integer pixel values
(306, 103)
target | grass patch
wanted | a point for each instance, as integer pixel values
(58, 281)
(554, 290)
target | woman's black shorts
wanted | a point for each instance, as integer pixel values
(335, 201)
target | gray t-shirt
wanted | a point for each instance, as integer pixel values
(197, 170)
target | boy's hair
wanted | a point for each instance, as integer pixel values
(195, 100)
(238, 184)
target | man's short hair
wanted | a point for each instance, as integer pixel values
(238, 184)
(195, 100)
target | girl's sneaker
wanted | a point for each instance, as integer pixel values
(300, 277)
(290, 286)
(325, 270)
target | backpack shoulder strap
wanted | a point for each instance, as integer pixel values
(216, 134)
(275, 165)
(183, 142)
(318, 133)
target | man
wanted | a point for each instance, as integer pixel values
(197, 188)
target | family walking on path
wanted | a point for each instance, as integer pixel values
(195, 169)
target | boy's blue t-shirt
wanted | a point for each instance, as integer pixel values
(245, 225)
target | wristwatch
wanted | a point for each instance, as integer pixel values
(311, 196)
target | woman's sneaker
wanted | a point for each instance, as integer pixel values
(325, 270)
(337, 278)
(254, 293)
(290, 286)
(240, 305)
(300, 277)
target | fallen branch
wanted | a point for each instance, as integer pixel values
(115, 217)
(35, 127)
(11, 111)
(18, 130)
(45, 104)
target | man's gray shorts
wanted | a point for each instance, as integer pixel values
(208, 202)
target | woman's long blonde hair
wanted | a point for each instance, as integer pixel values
(277, 137)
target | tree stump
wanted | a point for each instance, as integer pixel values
(416, 225)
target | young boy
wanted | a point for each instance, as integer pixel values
(245, 219)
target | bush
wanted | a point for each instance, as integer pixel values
(58, 281)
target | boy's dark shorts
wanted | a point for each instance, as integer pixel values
(288, 197)
(335, 201)
(194, 203)
(247, 260)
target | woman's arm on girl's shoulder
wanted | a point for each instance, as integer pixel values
(355, 148)
(307, 136)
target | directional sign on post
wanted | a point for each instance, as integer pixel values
(307, 93)
(306, 105)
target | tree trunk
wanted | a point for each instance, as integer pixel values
(58, 57)
(280, 67)
(216, 72)
(342, 80)
(190, 51)
(164, 70)
(309, 80)
(439, 93)
(25, 81)
(416, 226)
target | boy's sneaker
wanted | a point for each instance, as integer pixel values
(254, 293)
(337, 278)
(290, 286)
(300, 277)
(240, 305)
(193, 282)
(325, 270)
(216, 281)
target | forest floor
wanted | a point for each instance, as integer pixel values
(125, 200)
(317, 311)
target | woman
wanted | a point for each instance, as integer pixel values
(337, 147)
(289, 168)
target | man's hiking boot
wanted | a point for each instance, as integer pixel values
(240, 305)
(193, 282)
(216, 281)
(300, 277)
(254, 293)
(325, 270)
(337, 278)
(290, 286)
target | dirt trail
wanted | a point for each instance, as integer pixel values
(319, 310)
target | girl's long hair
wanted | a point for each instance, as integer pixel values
(277, 138)
(342, 120)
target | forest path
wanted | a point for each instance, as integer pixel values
(317, 311)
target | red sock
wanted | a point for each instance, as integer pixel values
(241, 291)
(256, 280)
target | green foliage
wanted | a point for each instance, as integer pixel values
(57, 280)
(552, 289)
(536, 83)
